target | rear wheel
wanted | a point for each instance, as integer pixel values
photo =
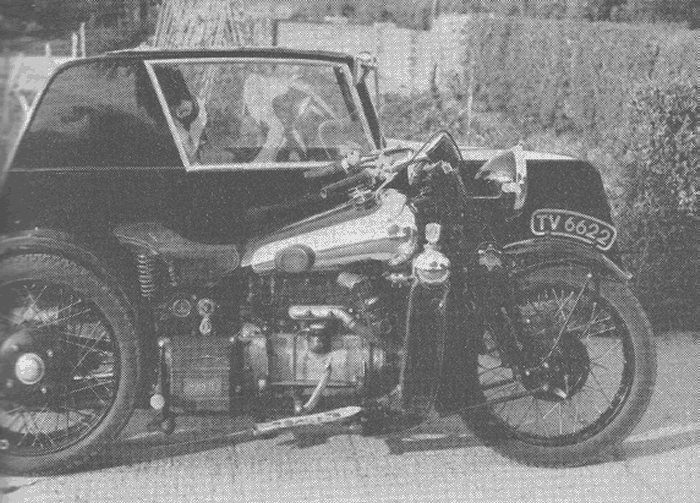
(588, 374)
(69, 364)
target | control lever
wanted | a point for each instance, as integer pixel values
(346, 183)
(332, 169)
(350, 163)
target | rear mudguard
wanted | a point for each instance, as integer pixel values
(54, 242)
(424, 346)
(551, 250)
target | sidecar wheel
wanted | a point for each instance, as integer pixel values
(597, 382)
(69, 364)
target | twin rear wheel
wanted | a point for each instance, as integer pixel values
(589, 370)
(69, 364)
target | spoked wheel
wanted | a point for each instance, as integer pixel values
(68, 364)
(588, 372)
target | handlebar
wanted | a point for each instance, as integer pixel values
(346, 183)
(364, 169)
(332, 169)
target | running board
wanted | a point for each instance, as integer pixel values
(318, 419)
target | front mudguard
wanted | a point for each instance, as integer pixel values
(544, 251)
(466, 318)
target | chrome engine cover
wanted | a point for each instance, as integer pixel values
(293, 361)
(288, 360)
(346, 234)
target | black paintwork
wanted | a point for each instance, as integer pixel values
(125, 168)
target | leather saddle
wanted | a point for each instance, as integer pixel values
(155, 239)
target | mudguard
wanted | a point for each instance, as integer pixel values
(54, 242)
(552, 250)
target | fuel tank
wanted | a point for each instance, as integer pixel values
(383, 231)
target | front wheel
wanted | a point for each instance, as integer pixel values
(586, 376)
(69, 364)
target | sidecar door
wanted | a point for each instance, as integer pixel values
(246, 129)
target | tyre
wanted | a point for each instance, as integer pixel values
(589, 367)
(69, 364)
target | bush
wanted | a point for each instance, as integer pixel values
(658, 211)
(569, 76)
(652, 180)
(418, 116)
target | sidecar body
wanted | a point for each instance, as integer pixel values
(205, 143)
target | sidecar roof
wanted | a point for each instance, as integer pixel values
(147, 53)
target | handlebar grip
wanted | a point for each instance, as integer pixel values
(346, 183)
(332, 169)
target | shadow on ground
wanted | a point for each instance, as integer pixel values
(670, 424)
(439, 435)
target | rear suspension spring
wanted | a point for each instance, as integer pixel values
(146, 267)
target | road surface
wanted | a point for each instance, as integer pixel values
(442, 462)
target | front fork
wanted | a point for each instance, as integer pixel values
(496, 306)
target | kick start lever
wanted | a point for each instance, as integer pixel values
(318, 391)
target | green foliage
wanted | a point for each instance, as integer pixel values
(658, 211)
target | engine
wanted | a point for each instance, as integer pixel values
(293, 338)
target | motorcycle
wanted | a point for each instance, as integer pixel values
(398, 296)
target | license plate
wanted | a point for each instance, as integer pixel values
(571, 224)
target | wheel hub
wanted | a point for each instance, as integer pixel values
(27, 358)
(563, 373)
(30, 369)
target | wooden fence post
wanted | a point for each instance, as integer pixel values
(82, 39)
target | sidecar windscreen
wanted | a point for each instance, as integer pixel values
(252, 113)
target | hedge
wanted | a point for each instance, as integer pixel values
(569, 75)
(417, 14)
(655, 199)
(658, 211)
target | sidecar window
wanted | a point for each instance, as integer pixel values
(254, 113)
(98, 113)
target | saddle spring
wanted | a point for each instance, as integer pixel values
(146, 267)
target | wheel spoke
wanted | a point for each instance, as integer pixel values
(529, 408)
(17, 417)
(59, 311)
(70, 316)
(25, 427)
(587, 368)
(73, 343)
(75, 398)
(91, 348)
(32, 299)
(561, 420)
(541, 418)
(596, 364)
(549, 411)
(615, 345)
